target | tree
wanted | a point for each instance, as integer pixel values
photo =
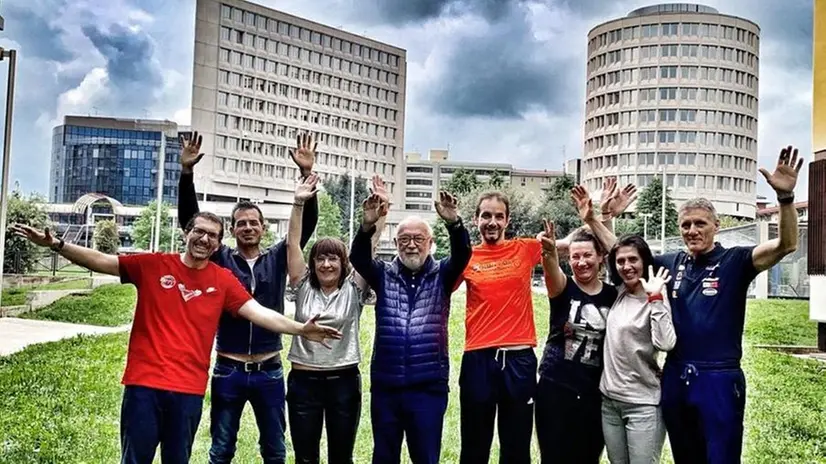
(268, 238)
(650, 201)
(496, 180)
(560, 189)
(559, 208)
(627, 226)
(20, 254)
(462, 182)
(142, 228)
(339, 191)
(107, 239)
(731, 221)
(329, 222)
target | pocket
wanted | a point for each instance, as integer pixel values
(222, 371)
(274, 374)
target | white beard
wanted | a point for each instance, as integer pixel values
(414, 263)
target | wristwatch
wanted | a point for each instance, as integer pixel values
(58, 246)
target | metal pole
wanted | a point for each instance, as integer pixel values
(4, 198)
(645, 227)
(159, 197)
(662, 218)
(352, 197)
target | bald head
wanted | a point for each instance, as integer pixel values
(414, 225)
(414, 238)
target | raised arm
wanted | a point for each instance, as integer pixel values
(586, 211)
(555, 279)
(361, 250)
(187, 199)
(276, 322)
(783, 181)
(304, 157)
(663, 335)
(296, 266)
(447, 207)
(378, 188)
(86, 257)
(614, 201)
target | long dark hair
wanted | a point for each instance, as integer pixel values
(636, 242)
(328, 246)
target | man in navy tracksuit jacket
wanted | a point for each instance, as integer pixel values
(703, 386)
(410, 366)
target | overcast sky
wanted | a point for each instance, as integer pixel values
(495, 79)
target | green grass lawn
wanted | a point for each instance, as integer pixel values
(17, 296)
(61, 401)
(108, 305)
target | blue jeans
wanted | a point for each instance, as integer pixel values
(149, 417)
(416, 414)
(232, 387)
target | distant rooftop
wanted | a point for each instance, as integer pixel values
(672, 8)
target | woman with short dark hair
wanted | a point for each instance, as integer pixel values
(324, 385)
(639, 327)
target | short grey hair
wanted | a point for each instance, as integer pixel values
(410, 220)
(699, 203)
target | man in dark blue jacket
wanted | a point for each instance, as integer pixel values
(248, 365)
(410, 366)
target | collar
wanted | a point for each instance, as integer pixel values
(236, 252)
(711, 256)
(430, 265)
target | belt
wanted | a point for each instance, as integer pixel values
(249, 366)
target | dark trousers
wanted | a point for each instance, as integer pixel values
(415, 414)
(315, 397)
(149, 417)
(568, 425)
(233, 384)
(492, 379)
(704, 411)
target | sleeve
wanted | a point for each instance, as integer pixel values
(309, 220)
(300, 287)
(460, 253)
(663, 335)
(743, 262)
(235, 295)
(361, 257)
(533, 250)
(363, 294)
(563, 299)
(130, 267)
(187, 199)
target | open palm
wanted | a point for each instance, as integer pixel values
(784, 177)
(307, 188)
(447, 207)
(191, 150)
(583, 202)
(655, 283)
(304, 153)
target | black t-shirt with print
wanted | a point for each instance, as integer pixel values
(573, 352)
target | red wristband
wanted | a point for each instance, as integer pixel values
(655, 297)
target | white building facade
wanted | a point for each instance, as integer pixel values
(674, 88)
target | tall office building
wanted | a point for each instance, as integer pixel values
(114, 157)
(675, 87)
(262, 76)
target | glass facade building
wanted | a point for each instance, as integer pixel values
(120, 161)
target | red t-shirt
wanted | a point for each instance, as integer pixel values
(499, 310)
(175, 320)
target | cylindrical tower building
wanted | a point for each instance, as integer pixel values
(674, 87)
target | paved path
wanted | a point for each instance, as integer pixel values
(16, 334)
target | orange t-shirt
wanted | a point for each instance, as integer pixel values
(499, 309)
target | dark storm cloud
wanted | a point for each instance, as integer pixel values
(34, 31)
(502, 73)
(789, 25)
(399, 12)
(134, 73)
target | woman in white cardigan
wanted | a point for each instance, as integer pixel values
(639, 327)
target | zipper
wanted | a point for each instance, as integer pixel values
(252, 288)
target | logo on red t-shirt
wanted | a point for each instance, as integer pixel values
(167, 281)
(188, 294)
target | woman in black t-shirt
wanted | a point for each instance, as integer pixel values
(568, 400)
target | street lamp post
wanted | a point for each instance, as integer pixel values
(645, 217)
(159, 196)
(4, 200)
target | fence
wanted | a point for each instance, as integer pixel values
(49, 263)
(787, 279)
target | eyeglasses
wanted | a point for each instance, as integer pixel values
(405, 240)
(198, 233)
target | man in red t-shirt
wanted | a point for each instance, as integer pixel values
(499, 365)
(180, 301)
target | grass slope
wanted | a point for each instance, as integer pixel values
(108, 305)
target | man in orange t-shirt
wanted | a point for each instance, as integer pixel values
(499, 364)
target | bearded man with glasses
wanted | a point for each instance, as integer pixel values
(410, 366)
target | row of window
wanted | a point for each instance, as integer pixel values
(699, 138)
(699, 30)
(263, 64)
(241, 102)
(707, 117)
(265, 170)
(652, 160)
(650, 95)
(263, 23)
(112, 133)
(685, 181)
(694, 73)
(258, 84)
(235, 144)
(633, 55)
(239, 123)
(71, 139)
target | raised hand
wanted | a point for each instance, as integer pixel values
(306, 188)
(784, 177)
(655, 283)
(371, 209)
(319, 333)
(44, 239)
(191, 151)
(380, 189)
(614, 201)
(304, 153)
(548, 240)
(609, 192)
(447, 207)
(583, 202)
